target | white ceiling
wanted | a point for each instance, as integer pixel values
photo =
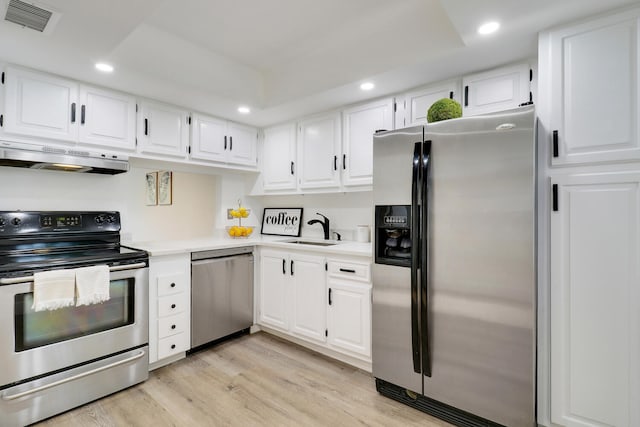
(282, 58)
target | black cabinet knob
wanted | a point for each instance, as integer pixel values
(173, 346)
(173, 306)
(173, 326)
(173, 285)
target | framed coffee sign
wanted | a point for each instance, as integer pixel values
(282, 221)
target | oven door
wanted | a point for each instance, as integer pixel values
(38, 343)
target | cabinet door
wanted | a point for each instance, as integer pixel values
(319, 147)
(595, 300)
(360, 123)
(418, 103)
(40, 105)
(273, 290)
(594, 91)
(309, 297)
(278, 158)
(495, 90)
(349, 321)
(163, 129)
(208, 139)
(107, 118)
(243, 142)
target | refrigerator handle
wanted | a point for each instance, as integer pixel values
(415, 257)
(424, 260)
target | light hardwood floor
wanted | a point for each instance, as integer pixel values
(256, 380)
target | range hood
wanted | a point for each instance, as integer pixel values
(34, 156)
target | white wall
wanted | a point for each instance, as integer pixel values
(191, 215)
(345, 211)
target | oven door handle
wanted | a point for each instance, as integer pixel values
(26, 279)
(75, 377)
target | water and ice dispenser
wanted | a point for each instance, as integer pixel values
(393, 235)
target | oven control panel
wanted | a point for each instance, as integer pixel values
(21, 223)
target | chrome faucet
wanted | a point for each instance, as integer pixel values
(325, 224)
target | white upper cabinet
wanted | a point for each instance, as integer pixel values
(221, 141)
(208, 139)
(318, 151)
(496, 90)
(595, 300)
(163, 129)
(40, 105)
(279, 158)
(593, 90)
(243, 141)
(107, 118)
(45, 106)
(417, 103)
(360, 124)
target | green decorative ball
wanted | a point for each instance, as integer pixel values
(444, 109)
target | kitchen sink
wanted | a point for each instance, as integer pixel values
(307, 242)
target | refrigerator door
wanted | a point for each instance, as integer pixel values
(394, 339)
(482, 266)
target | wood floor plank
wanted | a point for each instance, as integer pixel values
(256, 380)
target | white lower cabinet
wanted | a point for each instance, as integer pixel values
(323, 302)
(308, 286)
(169, 306)
(292, 293)
(595, 299)
(273, 289)
(349, 316)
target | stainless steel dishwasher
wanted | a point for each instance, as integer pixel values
(221, 293)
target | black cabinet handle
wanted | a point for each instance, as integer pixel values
(173, 285)
(146, 126)
(466, 96)
(173, 346)
(284, 266)
(335, 163)
(230, 143)
(225, 142)
(73, 112)
(451, 95)
(330, 302)
(347, 270)
(173, 306)
(291, 168)
(555, 143)
(344, 162)
(82, 114)
(292, 267)
(173, 326)
(554, 195)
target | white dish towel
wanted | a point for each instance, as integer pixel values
(92, 285)
(53, 289)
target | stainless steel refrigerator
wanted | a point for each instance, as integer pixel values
(454, 283)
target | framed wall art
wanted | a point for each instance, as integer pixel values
(282, 221)
(151, 189)
(165, 187)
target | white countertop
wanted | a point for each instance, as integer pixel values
(171, 247)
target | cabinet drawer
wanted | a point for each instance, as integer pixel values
(171, 284)
(172, 325)
(172, 304)
(350, 270)
(172, 345)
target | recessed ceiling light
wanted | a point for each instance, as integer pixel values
(244, 110)
(367, 86)
(488, 28)
(104, 67)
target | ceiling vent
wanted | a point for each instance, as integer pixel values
(31, 15)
